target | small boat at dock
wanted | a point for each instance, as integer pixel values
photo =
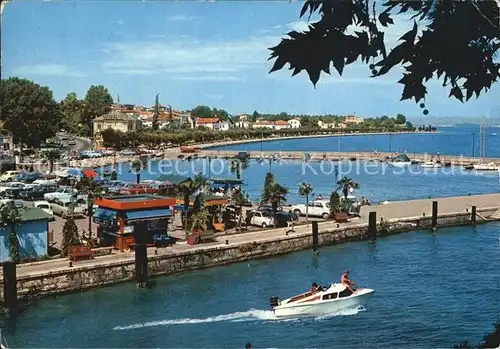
(486, 167)
(328, 300)
(402, 160)
(431, 164)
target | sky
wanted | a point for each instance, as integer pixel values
(198, 53)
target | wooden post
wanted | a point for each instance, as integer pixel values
(434, 214)
(473, 216)
(315, 236)
(372, 226)
(9, 285)
(141, 265)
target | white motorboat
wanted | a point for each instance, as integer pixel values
(328, 300)
(486, 167)
(431, 164)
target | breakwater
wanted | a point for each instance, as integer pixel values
(46, 278)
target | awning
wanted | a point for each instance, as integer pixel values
(149, 214)
(104, 216)
(90, 173)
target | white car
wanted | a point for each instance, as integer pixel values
(316, 208)
(45, 182)
(60, 194)
(45, 206)
(261, 218)
(63, 208)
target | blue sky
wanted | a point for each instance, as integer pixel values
(212, 53)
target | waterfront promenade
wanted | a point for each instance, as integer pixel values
(397, 211)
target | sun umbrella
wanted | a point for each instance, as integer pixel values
(90, 173)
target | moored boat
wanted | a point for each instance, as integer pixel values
(486, 167)
(402, 160)
(431, 164)
(328, 300)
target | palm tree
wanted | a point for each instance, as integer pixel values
(266, 190)
(201, 182)
(52, 156)
(238, 165)
(239, 199)
(187, 188)
(346, 183)
(136, 167)
(199, 214)
(305, 189)
(9, 217)
(277, 195)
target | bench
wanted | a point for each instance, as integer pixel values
(80, 251)
(341, 217)
(208, 235)
(102, 250)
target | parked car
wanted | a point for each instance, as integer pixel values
(45, 206)
(63, 208)
(141, 188)
(71, 142)
(115, 186)
(13, 190)
(37, 192)
(260, 218)
(45, 182)
(128, 152)
(9, 176)
(27, 177)
(283, 214)
(60, 194)
(8, 188)
(316, 208)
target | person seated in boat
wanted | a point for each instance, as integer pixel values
(347, 282)
(314, 288)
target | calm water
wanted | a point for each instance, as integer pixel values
(378, 182)
(452, 141)
(432, 290)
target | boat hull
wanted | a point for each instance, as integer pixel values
(400, 164)
(323, 307)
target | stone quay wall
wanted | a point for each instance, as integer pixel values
(85, 277)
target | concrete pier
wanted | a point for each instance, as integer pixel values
(55, 276)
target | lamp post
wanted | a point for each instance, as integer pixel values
(390, 142)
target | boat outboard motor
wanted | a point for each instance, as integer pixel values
(274, 302)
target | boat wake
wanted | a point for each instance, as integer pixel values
(249, 315)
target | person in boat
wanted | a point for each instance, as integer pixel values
(314, 288)
(348, 283)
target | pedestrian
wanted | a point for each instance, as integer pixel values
(289, 223)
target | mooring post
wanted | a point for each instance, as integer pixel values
(315, 236)
(9, 285)
(141, 265)
(372, 226)
(434, 215)
(473, 216)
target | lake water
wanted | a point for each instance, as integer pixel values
(457, 140)
(432, 290)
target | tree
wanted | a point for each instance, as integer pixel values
(136, 167)
(202, 111)
(239, 199)
(466, 29)
(187, 188)
(156, 113)
(29, 111)
(400, 119)
(69, 235)
(491, 340)
(277, 196)
(254, 116)
(98, 101)
(334, 203)
(199, 214)
(345, 184)
(305, 189)
(238, 165)
(72, 110)
(266, 189)
(9, 217)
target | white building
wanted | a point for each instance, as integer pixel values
(263, 124)
(351, 119)
(281, 124)
(294, 123)
(213, 124)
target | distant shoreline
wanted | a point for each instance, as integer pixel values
(209, 146)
